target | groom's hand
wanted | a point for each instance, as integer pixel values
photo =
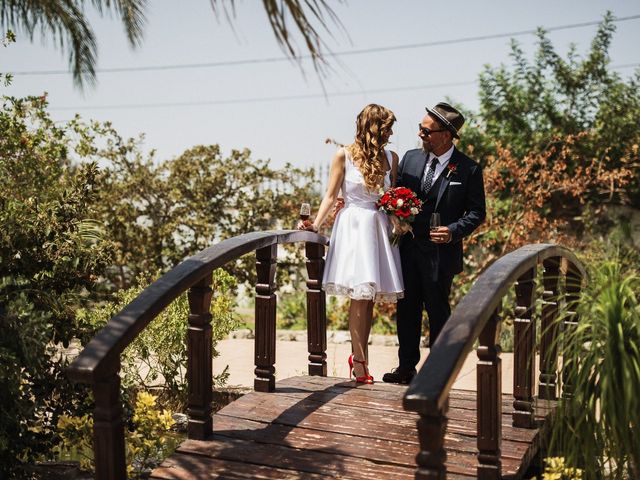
(440, 235)
(339, 205)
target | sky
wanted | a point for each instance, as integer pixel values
(277, 109)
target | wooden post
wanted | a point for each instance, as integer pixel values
(316, 310)
(432, 428)
(199, 358)
(489, 401)
(265, 346)
(547, 384)
(108, 428)
(524, 335)
(573, 282)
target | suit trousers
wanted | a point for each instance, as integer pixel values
(424, 289)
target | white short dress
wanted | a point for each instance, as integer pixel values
(361, 262)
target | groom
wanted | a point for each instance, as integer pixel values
(450, 183)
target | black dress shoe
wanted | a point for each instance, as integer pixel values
(399, 375)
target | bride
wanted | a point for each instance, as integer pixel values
(361, 262)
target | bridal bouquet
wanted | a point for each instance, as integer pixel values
(402, 205)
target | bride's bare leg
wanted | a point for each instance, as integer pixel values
(360, 313)
(368, 333)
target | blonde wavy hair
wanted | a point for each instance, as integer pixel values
(367, 151)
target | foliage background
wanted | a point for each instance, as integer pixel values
(85, 213)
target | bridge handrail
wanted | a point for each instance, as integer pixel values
(98, 364)
(477, 312)
(124, 327)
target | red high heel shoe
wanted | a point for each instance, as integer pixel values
(366, 378)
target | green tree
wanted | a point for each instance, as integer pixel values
(66, 23)
(159, 213)
(51, 256)
(559, 144)
(533, 106)
(68, 226)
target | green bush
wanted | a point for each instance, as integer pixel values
(157, 358)
(52, 254)
(292, 310)
(598, 427)
(384, 318)
(148, 441)
(557, 470)
(337, 313)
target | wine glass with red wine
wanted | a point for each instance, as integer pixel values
(305, 211)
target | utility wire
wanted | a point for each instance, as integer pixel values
(233, 101)
(233, 63)
(283, 98)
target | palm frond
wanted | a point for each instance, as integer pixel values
(304, 14)
(131, 13)
(66, 23)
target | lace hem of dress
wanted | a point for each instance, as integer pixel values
(364, 291)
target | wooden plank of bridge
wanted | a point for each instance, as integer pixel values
(314, 427)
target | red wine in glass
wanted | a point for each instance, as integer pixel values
(305, 211)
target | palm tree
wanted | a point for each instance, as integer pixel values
(65, 21)
(303, 13)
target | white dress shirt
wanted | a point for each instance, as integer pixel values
(443, 160)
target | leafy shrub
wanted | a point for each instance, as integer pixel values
(384, 321)
(292, 310)
(57, 209)
(557, 470)
(160, 211)
(384, 318)
(148, 442)
(337, 313)
(559, 143)
(52, 254)
(157, 358)
(292, 313)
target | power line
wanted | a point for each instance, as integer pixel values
(135, 106)
(624, 65)
(233, 63)
(283, 98)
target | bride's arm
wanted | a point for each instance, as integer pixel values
(336, 175)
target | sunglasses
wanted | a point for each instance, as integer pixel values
(427, 131)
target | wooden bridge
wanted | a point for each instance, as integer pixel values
(315, 426)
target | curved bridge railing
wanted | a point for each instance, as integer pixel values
(98, 364)
(477, 318)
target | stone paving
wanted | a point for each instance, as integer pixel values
(237, 352)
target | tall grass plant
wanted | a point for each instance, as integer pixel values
(597, 427)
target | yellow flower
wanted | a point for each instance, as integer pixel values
(556, 470)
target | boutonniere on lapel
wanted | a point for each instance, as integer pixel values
(451, 169)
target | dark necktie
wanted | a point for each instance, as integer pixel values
(427, 179)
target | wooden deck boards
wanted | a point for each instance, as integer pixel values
(318, 427)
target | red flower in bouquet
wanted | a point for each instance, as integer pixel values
(402, 205)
